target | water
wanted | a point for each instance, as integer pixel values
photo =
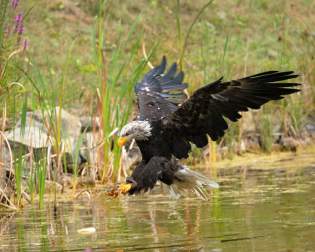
(271, 210)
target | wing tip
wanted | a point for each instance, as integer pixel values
(274, 76)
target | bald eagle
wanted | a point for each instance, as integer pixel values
(169, 122)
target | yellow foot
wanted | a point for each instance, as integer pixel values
(124, 188)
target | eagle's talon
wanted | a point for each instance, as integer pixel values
(130, 180)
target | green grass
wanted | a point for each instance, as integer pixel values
(41, 178)
(89, 55)
(265, 130)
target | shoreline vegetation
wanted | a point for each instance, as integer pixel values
(285, 162)
(67, 72)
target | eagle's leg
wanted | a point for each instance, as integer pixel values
(145, 175)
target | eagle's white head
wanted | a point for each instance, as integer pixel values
(138, 130)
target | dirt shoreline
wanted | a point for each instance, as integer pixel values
(265, 161)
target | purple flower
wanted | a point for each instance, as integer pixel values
(19, 27)
(19, 18)
(14, 3)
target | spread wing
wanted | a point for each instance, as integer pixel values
(205, 111)
(160, 93)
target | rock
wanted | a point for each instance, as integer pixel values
(33, 139)
(37, 132)
(91, 141)
(87, 231)
(287, 143)
(89, 124)
(39, 127)
(33, 133)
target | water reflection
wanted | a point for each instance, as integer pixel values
(268, 210)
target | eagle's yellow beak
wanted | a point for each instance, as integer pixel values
(122, 141)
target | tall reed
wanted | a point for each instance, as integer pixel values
(41, 169)
(117, 73)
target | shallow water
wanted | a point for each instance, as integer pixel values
(271, 210)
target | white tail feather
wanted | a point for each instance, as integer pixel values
(189, 180)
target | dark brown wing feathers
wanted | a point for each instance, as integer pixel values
(205, 112)
(158, 93)
(177, 122)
